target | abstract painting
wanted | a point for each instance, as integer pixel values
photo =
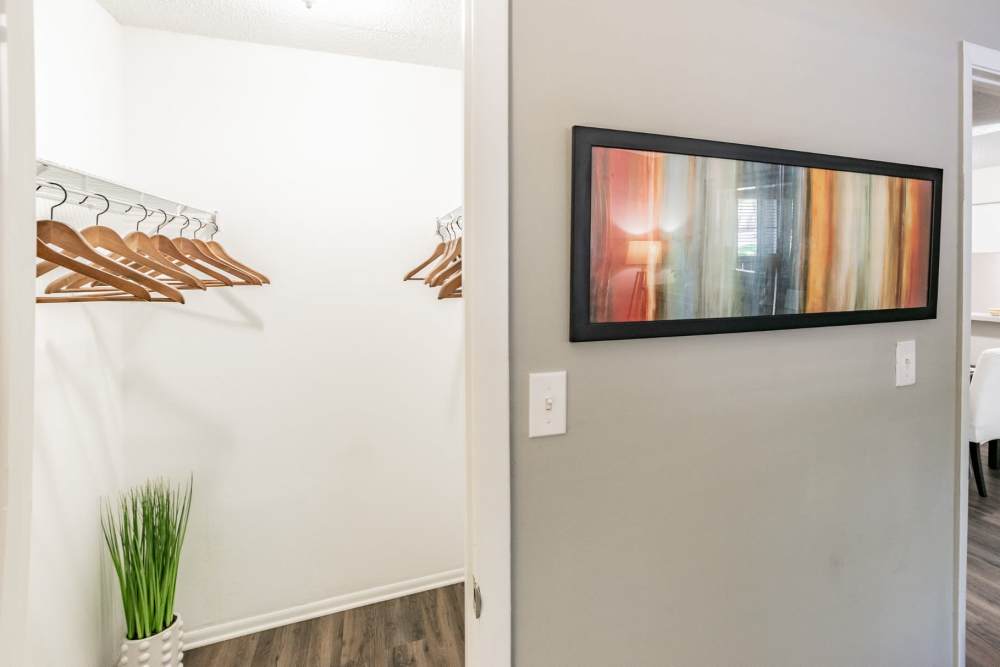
(676, 236)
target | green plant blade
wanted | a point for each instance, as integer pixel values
(144, 538)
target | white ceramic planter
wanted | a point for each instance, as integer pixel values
(163, 650)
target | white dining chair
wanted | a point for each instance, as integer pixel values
(984, 410)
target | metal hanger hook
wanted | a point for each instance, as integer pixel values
(187, 222)
(52, 211)
(200, 225)
(143, 218)
(107, 207)
(215, 230)
(160, 226)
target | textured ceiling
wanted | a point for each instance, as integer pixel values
(417, 31)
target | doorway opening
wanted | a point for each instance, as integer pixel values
(978, 608)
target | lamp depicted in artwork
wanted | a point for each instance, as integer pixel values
(645, 255)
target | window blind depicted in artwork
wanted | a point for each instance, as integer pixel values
(676, 236)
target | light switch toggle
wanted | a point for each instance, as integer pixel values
(547, 404)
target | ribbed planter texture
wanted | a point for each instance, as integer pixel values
(165, 649)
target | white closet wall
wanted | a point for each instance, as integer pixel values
(80, 356)
(321, 416)
(79, 90)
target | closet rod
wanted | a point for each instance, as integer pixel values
(82, 184)
(95, 199)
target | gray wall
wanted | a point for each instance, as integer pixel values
(757, 498)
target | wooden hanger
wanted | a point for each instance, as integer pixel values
(412, 273)
(446, 263)
(207, 252)
(447, 272)
(449, 246)
(73, 245)
(221, 253)
(141, 243)
(439, 279)
(104, 237)
(161, 266)
(443, 262)
(81, 281)
(451, 263)
(174, 262)
(167, 247)
(191, 249)
(119, 282)
(169, 251)
(50, 256)
(451, 289)
(133, 268)
(74, 252)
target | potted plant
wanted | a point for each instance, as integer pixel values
(144, 537)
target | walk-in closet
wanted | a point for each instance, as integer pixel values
(249, 323)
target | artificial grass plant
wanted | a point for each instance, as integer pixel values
(144, 537)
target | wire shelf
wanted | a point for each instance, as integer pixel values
(121, 197)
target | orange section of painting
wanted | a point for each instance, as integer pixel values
(916, 243)
(820, 235)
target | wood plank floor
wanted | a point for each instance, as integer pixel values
(982, 637)
(422, 630)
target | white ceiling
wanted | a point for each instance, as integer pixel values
(427, 32)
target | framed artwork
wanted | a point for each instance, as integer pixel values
(676, 237)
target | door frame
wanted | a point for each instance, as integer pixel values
(487, 351)
(973, 57)
(17, 322)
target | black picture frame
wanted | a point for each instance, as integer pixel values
(587, 138)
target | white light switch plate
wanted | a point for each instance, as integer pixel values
(546, 404)
(906, 363)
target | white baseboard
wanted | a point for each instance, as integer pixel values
(212, 634)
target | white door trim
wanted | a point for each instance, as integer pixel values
(973, 57)
(17, 324)
(485, 287)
